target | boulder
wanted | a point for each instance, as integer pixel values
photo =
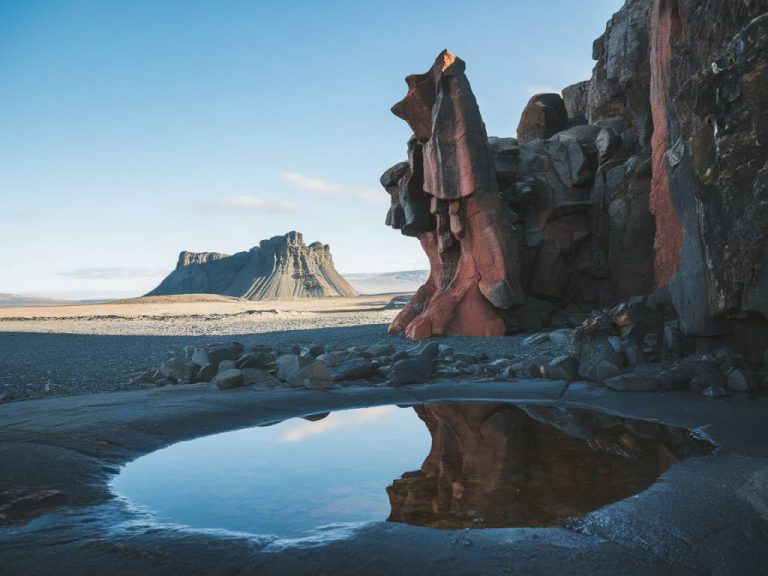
(544, 116)
(287, 366)
(315, 377)
(228, 379)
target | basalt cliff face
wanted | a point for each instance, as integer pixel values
(281, 267)
(648, 180)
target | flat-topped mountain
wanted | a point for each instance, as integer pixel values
(281, 267)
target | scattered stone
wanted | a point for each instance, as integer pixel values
(380, 350)
(228, 379)
(354, 369)
(564, 367)
(417, 368)
(316, 350)
(227, 365)
(707, 380)
(259, 378)
(715, 392)
(743, 380)
(605, 370)
(200, 357)
(631, 382)
(206, 373)
(178, 371)
(315, 376)
(255, 360)
(560, 337)
(220, 352)
(332, 359)
(287, 366)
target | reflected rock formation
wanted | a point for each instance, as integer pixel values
(498, 465)
(447, 196)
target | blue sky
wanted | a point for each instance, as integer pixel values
(135, 129)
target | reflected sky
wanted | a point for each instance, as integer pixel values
(449, 466)
(286, 479)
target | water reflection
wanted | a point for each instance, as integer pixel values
(496, 465)
(487, 465)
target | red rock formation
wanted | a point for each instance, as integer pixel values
(470, 239)
(669, 230)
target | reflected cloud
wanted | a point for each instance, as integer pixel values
(303, 430)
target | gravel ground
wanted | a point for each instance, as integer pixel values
(68, 356)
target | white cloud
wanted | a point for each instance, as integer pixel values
(302, 430)
(100, 273)
(326, 188)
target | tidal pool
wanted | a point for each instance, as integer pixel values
(442, 465)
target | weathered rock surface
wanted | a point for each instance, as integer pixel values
(447, 196)
(651, 177)
(281, 267)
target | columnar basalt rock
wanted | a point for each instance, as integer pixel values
(447, 196)
(649, 179)
(280, 267)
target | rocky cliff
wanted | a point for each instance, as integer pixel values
(281, 267)
(649, 179)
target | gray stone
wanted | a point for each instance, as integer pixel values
(379, 350)
(206, 373)
(287, 366)
(605, 370)
(560, 337)
(228, 379)
(562, 368)
(178, 370)
(315, 376)
(705, 380)
(316, 350)
(225, 365)
(255, 360)
(332, 359)
(743, 380)
(415, 369)
(259, 378)
(354, 369)
(200, 357)
(220, 352)
(631, 382)
(715, 392)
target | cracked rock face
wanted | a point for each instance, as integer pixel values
(447, 196)
(281, 267)
(649, 178)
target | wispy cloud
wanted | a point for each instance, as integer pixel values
(101, 273)
(334, 421)
(326, 188)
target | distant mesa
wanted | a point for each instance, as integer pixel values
(281, 267)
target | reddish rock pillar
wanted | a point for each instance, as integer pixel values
(447, 196)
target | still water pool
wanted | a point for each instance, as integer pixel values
(450, 465)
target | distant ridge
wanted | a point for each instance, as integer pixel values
(281, 267)
(388, 282)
